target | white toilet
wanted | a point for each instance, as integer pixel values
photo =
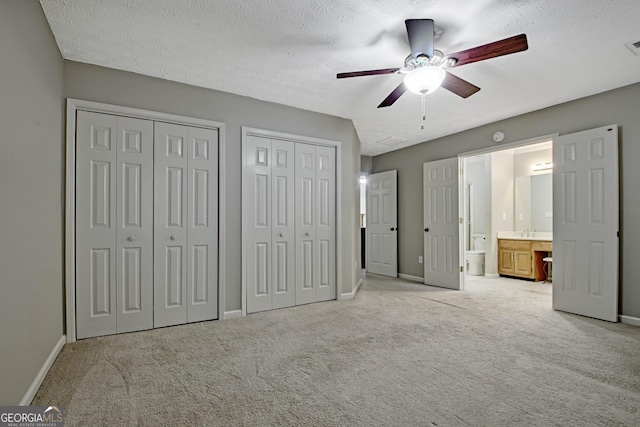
(475, 257)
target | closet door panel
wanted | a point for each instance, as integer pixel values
(134, 224)
(170, 224)
(326, 223)
(306, 219)
(202, 217)
(283, 224)
(257, 211)
(96, 224)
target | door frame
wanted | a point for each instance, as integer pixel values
(264, 133)
(461, 182)
(73, 105)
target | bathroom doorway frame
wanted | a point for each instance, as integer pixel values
(462, 187)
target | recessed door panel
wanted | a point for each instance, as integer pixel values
(174, 282)
(101, 194)
(100, 282)
(199, 277)
(132, 280)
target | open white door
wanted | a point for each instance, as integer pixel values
(441, 224)
(382, 219)
(585, 223)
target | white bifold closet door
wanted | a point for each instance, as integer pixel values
(114, 224)
(315, 202)
(270, 226)
(289, 223)
(185, 224)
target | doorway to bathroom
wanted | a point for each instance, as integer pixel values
(507, 212)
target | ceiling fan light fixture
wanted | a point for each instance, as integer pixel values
(424, 79)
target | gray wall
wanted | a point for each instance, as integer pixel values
(31, 207)
(93, 83)
(366, 164)
(619, 106)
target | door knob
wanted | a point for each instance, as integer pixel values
(426, 229)
(306, 234)
(173, 237)
(131, 238)
(281, 235)
(393, 229)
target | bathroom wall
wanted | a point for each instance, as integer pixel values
(522, 162)
(476, 176)
(502, 201)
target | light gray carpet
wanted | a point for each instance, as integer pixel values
(399, 354)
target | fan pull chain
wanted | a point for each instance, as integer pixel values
(424, 109)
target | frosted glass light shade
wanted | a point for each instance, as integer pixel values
(424, 79)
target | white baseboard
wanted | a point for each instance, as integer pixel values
(492, 275)
(410, 277)
(630, 320)
(37, 381)
(233, 314)
(352, 294)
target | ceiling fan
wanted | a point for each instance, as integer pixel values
(425, 68)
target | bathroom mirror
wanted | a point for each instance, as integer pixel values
(534, 202)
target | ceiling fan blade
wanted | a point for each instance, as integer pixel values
(393, 96)
(459, 86)
(367, 73)
(420, 33)
(490, 50)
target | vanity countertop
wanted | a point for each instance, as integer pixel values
(514, 235)
(526, 238)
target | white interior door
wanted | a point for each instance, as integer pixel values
(202, 224)
(114, 224)
(326, 222)
(306, 220)
(185, 224)
(269, 223)
(134, 235)
(382, 220)
(441, 224)
(170, 228)
(257, 224)
(585, 223)
(283, 224)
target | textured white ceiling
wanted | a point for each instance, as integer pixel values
(289, 51)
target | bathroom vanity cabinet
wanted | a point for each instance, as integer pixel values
(523, 257)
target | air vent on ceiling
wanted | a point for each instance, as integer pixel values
(392, 141)
(634, 47)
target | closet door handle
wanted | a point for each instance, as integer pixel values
(306, 234)
(393, 229)
(281, 235)
(173, 237)
(426, 229)
(131, 238)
